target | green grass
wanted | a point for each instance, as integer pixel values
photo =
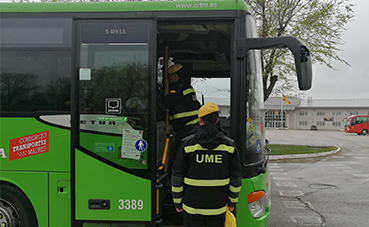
(280, 149)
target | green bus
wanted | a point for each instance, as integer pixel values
(82, 140)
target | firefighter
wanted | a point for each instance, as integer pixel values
(181, 101)
(182, 105)
(206, 176)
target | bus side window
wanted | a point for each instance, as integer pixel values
(353, 122)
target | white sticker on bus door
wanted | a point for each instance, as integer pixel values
(84, 74)
(130, 137)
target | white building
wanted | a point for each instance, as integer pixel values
(325, 114)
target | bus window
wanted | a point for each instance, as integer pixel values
(115, 69)
(359, 120)
(41, 84)
(348, 123)
(36, 32)
(33, 79)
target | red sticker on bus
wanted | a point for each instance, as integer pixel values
(28, 145)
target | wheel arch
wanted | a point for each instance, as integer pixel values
(22, 198)
(35, 187)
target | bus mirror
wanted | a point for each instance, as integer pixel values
(296, 46)
(302, 64)
(304, 75)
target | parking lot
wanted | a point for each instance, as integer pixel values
(324, 191)
(314, 138)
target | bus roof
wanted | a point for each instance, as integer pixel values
(359, 115)
(124, 6)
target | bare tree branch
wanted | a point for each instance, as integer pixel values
(319, 23)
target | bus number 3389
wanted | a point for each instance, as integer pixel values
(130, 204)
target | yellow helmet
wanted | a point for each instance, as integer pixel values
(174, 68)
(208, 108)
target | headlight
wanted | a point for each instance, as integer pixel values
(258, 202)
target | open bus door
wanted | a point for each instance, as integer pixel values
(254, 156)
(304, 74)
(296, 46)
(112, 168)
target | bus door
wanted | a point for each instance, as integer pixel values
(113, 160)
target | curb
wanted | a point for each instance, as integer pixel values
(313, 155)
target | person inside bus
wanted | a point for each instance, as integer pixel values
(206, 176)
(182, 105)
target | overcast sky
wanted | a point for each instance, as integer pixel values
(346, 82)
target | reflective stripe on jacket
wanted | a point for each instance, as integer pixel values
(182, 104)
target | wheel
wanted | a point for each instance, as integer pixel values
(364, 132)
(15, 208)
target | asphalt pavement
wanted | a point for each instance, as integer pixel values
(321, 191)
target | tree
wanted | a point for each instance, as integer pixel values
(319, 23)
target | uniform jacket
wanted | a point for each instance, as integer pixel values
(206, 176)
(182, 104)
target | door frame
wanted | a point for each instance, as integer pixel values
(150, 172)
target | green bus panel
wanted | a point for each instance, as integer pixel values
(126, 6)
(59, 199)
(129, 195)
(243, 214)
(35, 187)
(30, 145)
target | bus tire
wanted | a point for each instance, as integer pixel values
(15, 208)
(364, 132)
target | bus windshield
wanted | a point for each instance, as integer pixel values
(254, 126)
(348, 123)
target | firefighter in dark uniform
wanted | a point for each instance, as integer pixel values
(182, 105)
(206, 176)
(181, 101)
